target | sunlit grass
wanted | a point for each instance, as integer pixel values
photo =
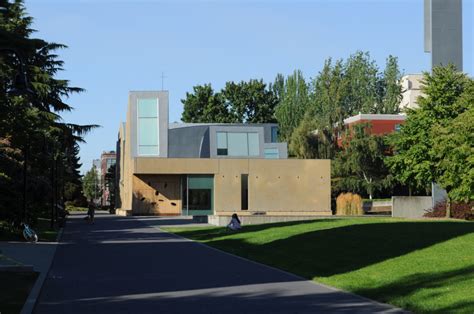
(421, 265)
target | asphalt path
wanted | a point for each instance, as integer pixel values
(126, 265)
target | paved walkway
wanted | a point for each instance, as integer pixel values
(38, 255)
(124, 265)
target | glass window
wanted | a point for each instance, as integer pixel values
(254, 148)
(148, 132)
(237, 144)
(271, 153)
(274, 135)
(222, 144)
(148, 108)
(221, 139)
(397, 127)
(148, 127)
(148, 150)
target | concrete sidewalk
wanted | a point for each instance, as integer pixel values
(124, 265)
(36, 257)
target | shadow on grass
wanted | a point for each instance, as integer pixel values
(410, 284)
(327, 252)
(209, 233)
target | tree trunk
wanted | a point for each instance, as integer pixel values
(25, 169)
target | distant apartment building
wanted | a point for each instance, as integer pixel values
(96, 163)
(411, 90)
(107, 159)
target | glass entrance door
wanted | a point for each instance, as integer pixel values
(198, 195)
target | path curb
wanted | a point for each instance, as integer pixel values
(30, 302)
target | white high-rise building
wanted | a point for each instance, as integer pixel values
(411, 89)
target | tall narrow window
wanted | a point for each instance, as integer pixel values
(274, 135)
(222, 144)
(244, 194)
(254, 147)
(147, 113)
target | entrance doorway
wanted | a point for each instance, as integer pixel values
(198, 195)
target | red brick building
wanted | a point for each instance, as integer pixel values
(380, 123)
(107, 159)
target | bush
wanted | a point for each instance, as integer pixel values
(72, 208)
(348, 204)
(458, 210)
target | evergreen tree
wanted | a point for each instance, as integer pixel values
(38, 143)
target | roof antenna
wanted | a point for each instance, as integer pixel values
(162, 80)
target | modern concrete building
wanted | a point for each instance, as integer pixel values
(212, 169)
(443, 32)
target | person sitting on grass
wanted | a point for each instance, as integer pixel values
(234, 223)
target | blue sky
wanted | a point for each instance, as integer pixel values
(118, 46)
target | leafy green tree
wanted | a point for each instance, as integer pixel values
(205, 106)
(294, 99)
(454, 148)
(340, 90)
(250, 102)
(416, 162)
(304, 139)
(278, 87)
(390, 90)
(111, 184)
(360, 79)
(243, 102)
(359, 166)
(90, 184)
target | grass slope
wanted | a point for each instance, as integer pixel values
(423, 266)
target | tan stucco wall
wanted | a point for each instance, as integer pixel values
(150, 165)
(127, 167)
(290, 185)
(227, 185)
(284, 185)
(156, 194)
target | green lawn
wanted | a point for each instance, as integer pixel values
(42, 228)
(424, 266)
(15, 287)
